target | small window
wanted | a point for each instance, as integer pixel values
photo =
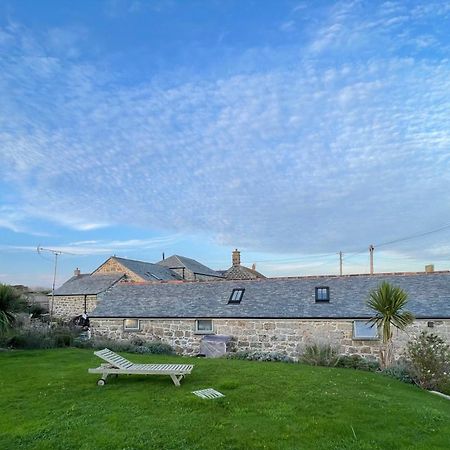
(364, 331)
(236, 296)
(203, 326)
(131, 324)
(322, 294)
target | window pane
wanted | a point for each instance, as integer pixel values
(204, 325)
(364, 330)
(322, 294)
(131, 323)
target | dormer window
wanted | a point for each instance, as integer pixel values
(236, 296)
(322, 294)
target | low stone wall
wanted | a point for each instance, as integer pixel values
(280, 335)
(69, 306)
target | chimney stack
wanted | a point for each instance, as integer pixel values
(429, 268)
(77, 272)
(236, 258)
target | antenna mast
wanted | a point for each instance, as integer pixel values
(55, 253)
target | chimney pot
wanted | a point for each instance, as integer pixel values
(429, 268)
(77, 272)
(236, 258)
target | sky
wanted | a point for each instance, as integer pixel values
(291, 130)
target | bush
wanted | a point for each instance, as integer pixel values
(36, 310)
(259, 356)
(38, 338)
(429, 359)
(320, 355)
(135, 346)
(400, 372)
(358, 362)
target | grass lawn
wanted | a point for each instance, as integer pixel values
(49, 401)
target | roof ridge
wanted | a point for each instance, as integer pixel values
(134, 260)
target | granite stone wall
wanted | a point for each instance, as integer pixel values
(70, 306)
(286, 336)
(113, 266)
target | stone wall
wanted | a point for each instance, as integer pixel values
(280, 335)
(113, 266)
(70, 306)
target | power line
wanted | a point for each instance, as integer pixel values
(414, 236)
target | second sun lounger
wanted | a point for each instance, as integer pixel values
(116, 365)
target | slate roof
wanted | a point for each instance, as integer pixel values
(177, 262)
(87, 284)
(239, 272)
(429, 297)
(148, 271)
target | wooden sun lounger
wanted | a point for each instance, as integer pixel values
(116, 365)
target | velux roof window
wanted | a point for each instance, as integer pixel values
(236, 296)
(152, 275)
(322, 294)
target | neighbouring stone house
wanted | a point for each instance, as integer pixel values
(190, 269)
(136, 271)
(78, 295)
(281, 315)
(239, 272)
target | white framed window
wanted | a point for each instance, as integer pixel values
(236, 296)
(322, 294)
(204, 326)
(131, 325)
(364, 331)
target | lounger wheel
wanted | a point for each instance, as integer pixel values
(101, 382)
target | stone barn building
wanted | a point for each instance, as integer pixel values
(281, 315)
(78, 295)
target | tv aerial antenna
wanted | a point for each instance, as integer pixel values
(55, 253)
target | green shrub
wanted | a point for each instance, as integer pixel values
(36, 310)
(38, 338)
(29, 340)
(429, 359)
(259, 356)
(357, 362)
(400, 372)
(157, 348)
(150, 347)
(320, 355)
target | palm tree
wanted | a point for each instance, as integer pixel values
(10, 302)
(388, 302)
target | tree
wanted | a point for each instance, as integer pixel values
(388, 302)
(10, 303)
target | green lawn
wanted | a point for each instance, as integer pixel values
(48, 400)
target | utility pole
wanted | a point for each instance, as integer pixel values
(371, 249)
(340, 263)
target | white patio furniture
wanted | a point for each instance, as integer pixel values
(116, 364)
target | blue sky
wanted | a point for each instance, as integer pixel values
(291, 130)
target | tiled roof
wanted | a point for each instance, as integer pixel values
(239, 272)
(177, 262)
(148, 271)
(429, 297)
(87, 284)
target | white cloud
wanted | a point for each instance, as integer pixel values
(328, 153)
(98, 247)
